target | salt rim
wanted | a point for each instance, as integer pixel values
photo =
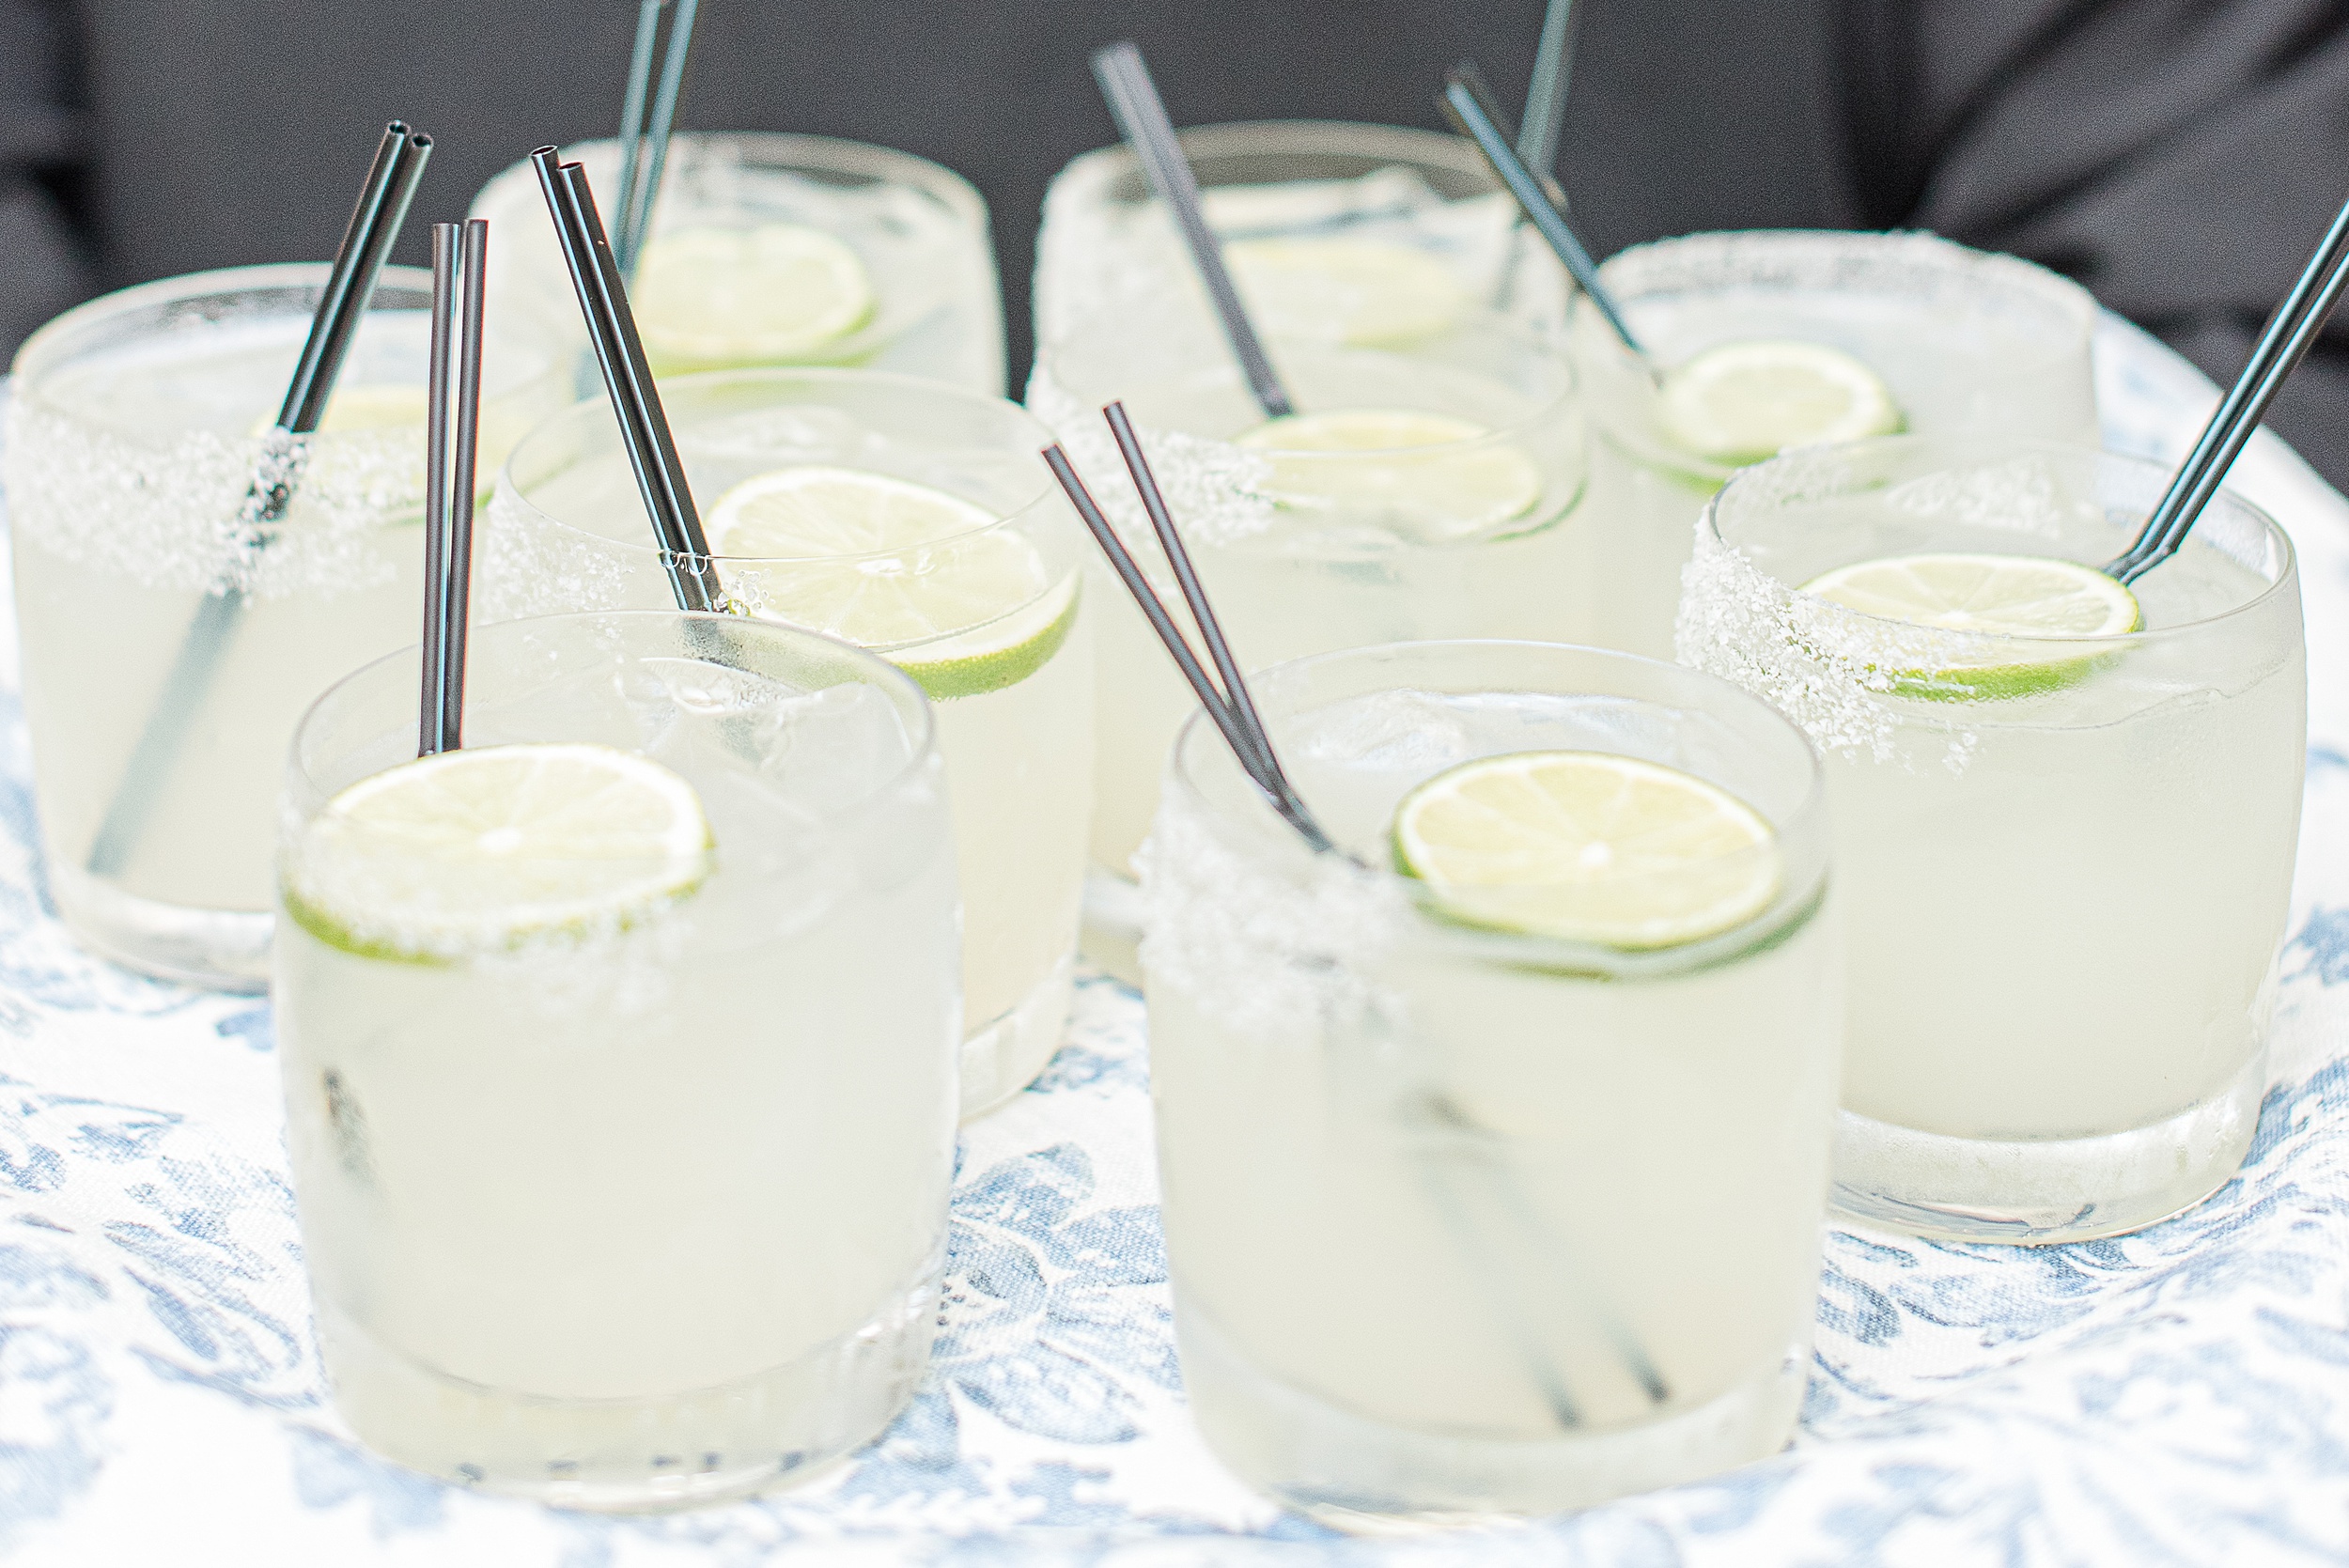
(176, 516)
(1830, 669)
(1219, 493)
(531, 565)
(1264, 951)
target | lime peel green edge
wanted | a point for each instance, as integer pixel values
(981, 673)
(315, 922)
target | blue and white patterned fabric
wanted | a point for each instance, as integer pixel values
(2176, 1397)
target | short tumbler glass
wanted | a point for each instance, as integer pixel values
(2065, 863)
(1463, 1222)
(136, 425)
(641, 1213)
(985, 611)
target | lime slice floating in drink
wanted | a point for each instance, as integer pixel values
(1588, 846)
(1443, 495)
(912, 572)
(1741, 402)
(2032, 597)
(1359, 292)
(483, 851)
(709, 298)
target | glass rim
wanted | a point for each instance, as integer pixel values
(1790, 906)
(1206, 141)
(911, 169)
(195, 286)
(403, 660)
(583, 411)
(1543, 344)
(2286, 578)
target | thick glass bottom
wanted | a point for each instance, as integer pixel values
(2041, 1191)
(1353, 1473)
(1003, 1057)
(638, 1454)
(1110, 937)
(220, 950)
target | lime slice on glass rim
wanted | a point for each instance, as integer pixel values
(1738, 403)
(489, 848)
(915, 574)
(1447, 495)
(1363, 293)
(1587, 846)
(2035, 597)
(710, 297)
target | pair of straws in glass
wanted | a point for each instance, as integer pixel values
(460, 259)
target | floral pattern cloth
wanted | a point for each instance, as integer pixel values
(2176, 1397)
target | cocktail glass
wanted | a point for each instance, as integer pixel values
(611, 1196)
(1368, 234)
(1467, 525)
(1467, 1220)
(945, 549)
(2063, 861)
(772, 249)
(1966, 343)
(134, 428)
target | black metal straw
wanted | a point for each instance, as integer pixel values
(1245, 735)
(460, 263)
(1134, 102)
(1545, 100)
(2290, 333)
(645, 148)
(366, 243)
(1468, 104)
(626, 377)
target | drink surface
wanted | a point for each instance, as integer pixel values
(555, 1192)
(958, 547)
(782, 250)
(1510, 1199)
(131, 456)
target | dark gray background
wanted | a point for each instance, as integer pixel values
(2181, 157)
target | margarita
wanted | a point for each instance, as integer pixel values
(2066, 813)
(1363, 234)
(620, 1054)
(770, 249)
(1417, 494)
(913, 520)
(1770, 340)
(136, 425)
(1493, 1187)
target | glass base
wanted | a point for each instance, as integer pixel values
(220, 950)
(1110, 937)
(1366, 1477)
(2043, 1191)
(634, 1455)
(1005, 1056)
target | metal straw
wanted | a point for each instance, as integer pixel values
(2290, 333)
(1255, 756)
(1134, 102)
(366, 243)
(1462, 1191)
(1468, 104)
(636, 401)
(460, 265)
(645, 148)
(1545, 100)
